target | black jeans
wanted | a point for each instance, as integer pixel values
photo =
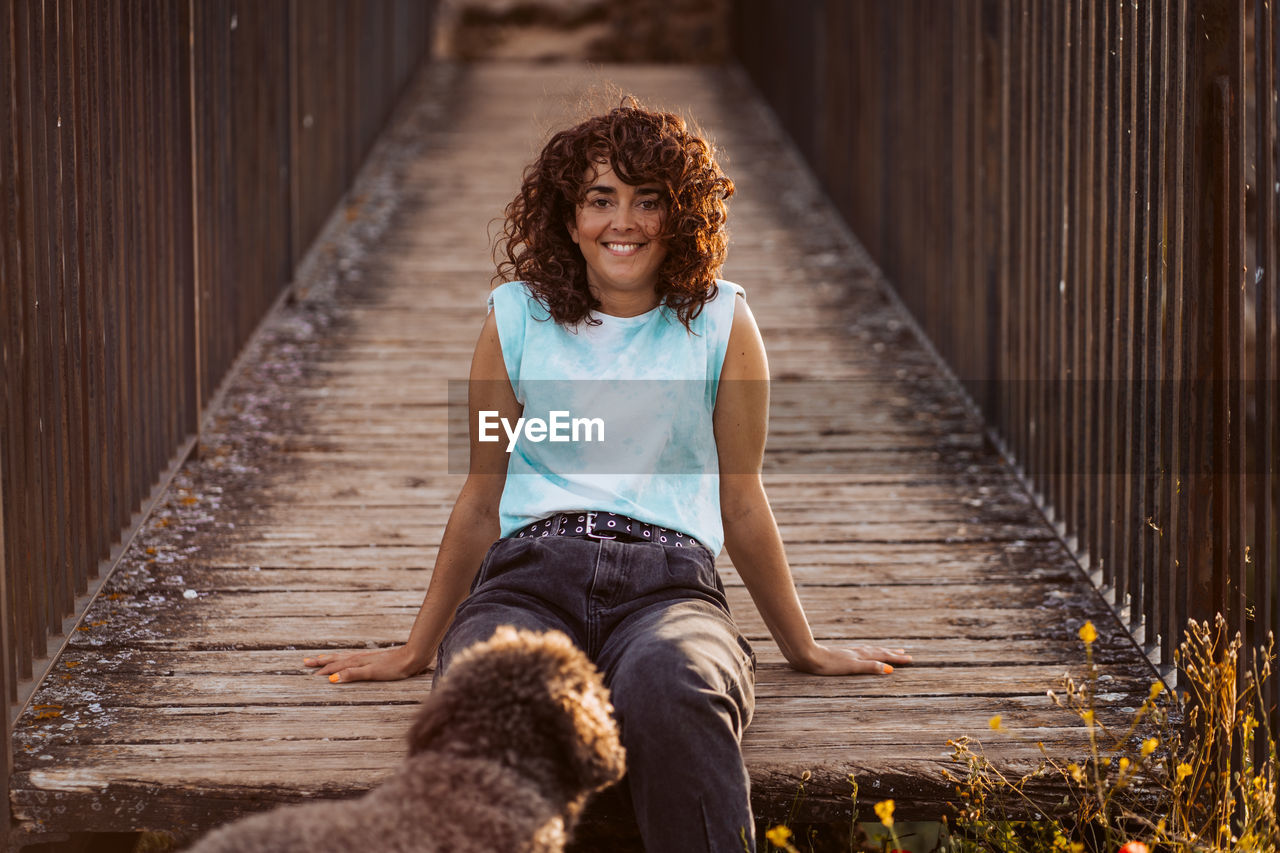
(654, 619)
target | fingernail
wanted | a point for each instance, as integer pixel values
(887, 669)
(306, 660)
(334, 678)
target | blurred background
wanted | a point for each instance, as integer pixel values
(592, 30)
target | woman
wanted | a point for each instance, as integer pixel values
(614, 241)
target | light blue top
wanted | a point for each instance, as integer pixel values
(646, 383)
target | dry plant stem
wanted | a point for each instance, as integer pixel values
(1217, 774)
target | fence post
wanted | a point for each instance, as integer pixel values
(1216, 120)
(7, 653)
(198, 391)
(6, 674)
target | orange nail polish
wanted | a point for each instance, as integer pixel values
(887, 669)
(334, 678)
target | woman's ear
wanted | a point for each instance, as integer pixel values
(571, 225)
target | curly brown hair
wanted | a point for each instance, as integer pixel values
(642, 146)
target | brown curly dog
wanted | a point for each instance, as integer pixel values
(502, 758)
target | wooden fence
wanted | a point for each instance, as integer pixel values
(165, 167)
(1077, 202)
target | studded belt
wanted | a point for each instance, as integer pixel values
(604, 525)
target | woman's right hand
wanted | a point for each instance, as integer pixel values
(382, 665)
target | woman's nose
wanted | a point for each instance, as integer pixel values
(624, 218)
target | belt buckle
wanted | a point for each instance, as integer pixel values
(591, 529)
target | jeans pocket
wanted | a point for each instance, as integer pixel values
(502, 556)
(693, 568)
(482, 573)
(749, 654)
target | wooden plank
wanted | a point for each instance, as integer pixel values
(299, 687)
(912, 625)
(928, 716)
(832, 602)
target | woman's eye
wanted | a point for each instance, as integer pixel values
(600, 202)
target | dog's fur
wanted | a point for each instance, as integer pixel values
(502, 758)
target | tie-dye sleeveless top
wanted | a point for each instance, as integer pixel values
(626, 409)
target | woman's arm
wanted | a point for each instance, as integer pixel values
(472, 528)
(751, 533)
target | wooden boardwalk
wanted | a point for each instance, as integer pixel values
(310, 520)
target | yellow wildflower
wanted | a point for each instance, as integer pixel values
(1075, 771)
(1157, 687)
(884, 811)
(1149, 746)
(1124, 764)
(994, 722)
(1088, 633)
(1061, 843)
(1184, 770)
(1087, 716)
(778, 836)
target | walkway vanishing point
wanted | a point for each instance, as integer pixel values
(310, 519)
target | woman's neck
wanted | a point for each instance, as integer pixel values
(625, 304)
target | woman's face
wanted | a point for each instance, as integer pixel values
(616, 227)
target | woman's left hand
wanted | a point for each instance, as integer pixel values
(853, 660)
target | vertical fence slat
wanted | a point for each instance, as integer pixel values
(1265, 564)
(1024, 121)
(1055, 174)
(8, 682)
(1095, 287)
(1270, 340)
(1109, 283)
(1036, 165)
(1135, 473)
(1068, 283)
(1004, 248)
(1233, 408)
(10, 360)
(74, 568)
(10, 653)
(1179, 252)
(1152, 426)
(1122, 338)
(1081, 266)
(89, 93)
(35, 581)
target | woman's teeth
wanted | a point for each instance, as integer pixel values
(622, 248)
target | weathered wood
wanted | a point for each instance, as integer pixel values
(311, 520)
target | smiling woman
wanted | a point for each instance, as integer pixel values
(630, 177)
(614, 242)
